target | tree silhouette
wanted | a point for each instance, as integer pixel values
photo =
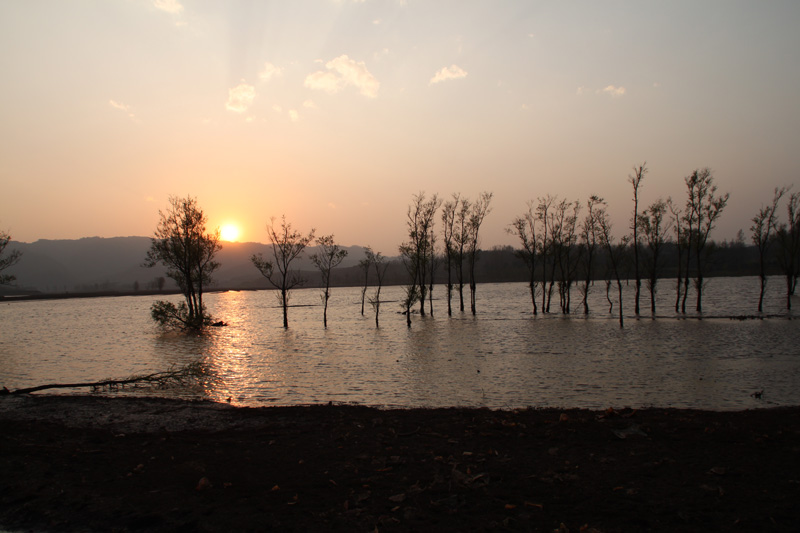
(655, 229)
(448, 239)
(379, 263)
(591, 238)
(329, 256)
(479, 211)
(287, 245)
(765, 224)
(365, 265)
(524, 228)
(703, 209)
(789, 249)
(614, 252)
(636, 181)
(182, 245)
(9, 260)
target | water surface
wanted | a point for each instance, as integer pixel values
(503, 358)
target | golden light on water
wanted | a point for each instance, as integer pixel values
(229, 232)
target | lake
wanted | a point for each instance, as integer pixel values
(502, 358)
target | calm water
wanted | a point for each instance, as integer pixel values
(504, 358)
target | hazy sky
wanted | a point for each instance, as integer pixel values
(337, 112)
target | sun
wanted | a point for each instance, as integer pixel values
(229, 232)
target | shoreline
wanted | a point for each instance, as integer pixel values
(93, 463)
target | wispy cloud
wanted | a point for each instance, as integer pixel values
(124, 108)
(240, 98)
(344, 72)
(293, 115)
(614, 92)
(170, 6)
(453, 72)
(309, 104)
(270, 71)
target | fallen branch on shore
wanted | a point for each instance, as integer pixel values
(179, 376)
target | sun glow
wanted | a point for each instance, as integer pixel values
(229, 232)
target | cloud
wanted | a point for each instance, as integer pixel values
(240, 98)
(270, 71)
(124, 108)
(309, 104)
(293, 115)
(344, 72)
(453, 72)
(277, 108)
(170, 6)
(614, 92)
(580, 91)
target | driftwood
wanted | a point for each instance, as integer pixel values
(172, 376)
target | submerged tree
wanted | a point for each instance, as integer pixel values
(379, 263)
(461, 237)
(789, 249)
(329, 256)
(287, 245)
(479, 211)
(544, 216)
(765, 225)
(591, 238)
(524, 228)
(636, 181)
(418, 251)
(365, 265)
(655, 229)
(9, 260)
(615, 254)
(449, 241)
(703, 209)
(681, 246)
(183, 246)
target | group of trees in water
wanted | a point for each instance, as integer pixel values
(564, 244)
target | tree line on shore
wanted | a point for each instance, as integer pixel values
(563, 245)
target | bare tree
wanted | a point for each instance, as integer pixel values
(524, 228)
(681, 246)
(461, 237)
(479, 211)
(565, 250)
(287, 245)
(703, 209)
(655, 229)
(636, 181)
(380, 265)
(765, 225)
(789, 249)
(417, 252)
(433, 266)
(615, 254)
(328, 257)
(9, 260)
(543, 215)
(365, 265)
(591, 238)
(183, 246)
(448, 228)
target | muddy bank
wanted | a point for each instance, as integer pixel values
(87, 463)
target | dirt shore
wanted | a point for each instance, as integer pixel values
(89, 463)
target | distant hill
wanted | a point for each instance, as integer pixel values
(115, 264)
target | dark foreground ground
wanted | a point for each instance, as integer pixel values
(89, 463)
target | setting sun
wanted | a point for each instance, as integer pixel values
(229, 232)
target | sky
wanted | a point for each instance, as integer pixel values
(335, 113)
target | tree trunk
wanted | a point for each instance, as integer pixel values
(285, 305)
